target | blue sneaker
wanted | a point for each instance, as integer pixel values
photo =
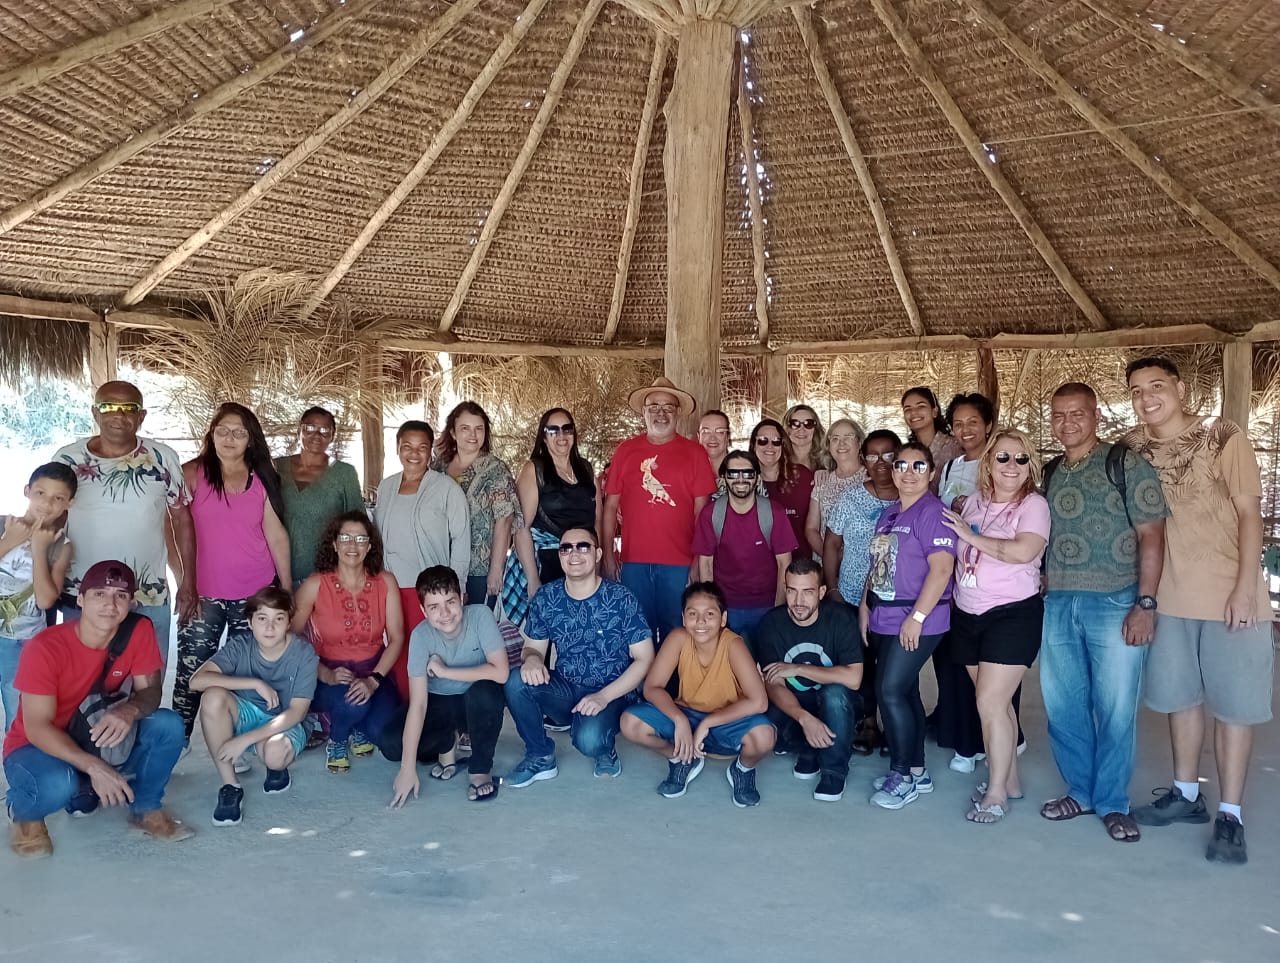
(744, 785)
(895, 792)
(85, 801)
(608, 765)
(679, 775)
(532, 769)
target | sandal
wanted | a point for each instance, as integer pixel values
(1121, 827)
(474, 793)
(985, 815)
(1063, 808)
(444, 771)
(980, 793)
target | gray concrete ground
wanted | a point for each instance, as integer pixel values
(580, 869)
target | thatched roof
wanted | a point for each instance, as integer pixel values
(1122, 167)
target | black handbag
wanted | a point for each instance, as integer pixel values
(98, 702)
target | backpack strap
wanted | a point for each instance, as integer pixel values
(115, 648)
(719, 508)
(1115, 475)
(1050, 467)
(764, 513)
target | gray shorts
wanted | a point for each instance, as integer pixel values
(1195, 661)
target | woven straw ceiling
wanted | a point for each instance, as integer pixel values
(218, 137)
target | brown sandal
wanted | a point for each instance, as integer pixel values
(1121, 827)
(1063, 808)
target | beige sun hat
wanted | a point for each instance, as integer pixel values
(638, 397)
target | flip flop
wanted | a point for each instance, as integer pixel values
(980, 793)
(975, 815)
(473, 792)
(444, 772)
(1067, 808)
(1130, 833)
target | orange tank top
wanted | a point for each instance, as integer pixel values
(348, 627)
(707, 688)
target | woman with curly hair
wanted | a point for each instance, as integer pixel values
(788, 484)
(351, 610)
(806, 442)
(241, 541)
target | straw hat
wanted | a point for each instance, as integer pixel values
(638, 397)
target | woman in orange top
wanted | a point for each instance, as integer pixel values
(719, 708)
(350, 608)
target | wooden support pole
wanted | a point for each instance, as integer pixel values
(104, 348)
(697, 113)
(755, 200)
(1237, 382)
(989, 379)
(776, 387)
(372, 384)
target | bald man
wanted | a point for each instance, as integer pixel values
(127, 486)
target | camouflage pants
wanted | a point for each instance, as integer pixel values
(198, 640)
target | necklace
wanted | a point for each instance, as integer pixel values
(1070, 466)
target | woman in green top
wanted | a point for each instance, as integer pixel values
(315, 489)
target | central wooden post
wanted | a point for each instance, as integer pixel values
(697, 113)
(372, 384)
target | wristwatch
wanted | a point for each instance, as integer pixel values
(1146, 602)
(919, 616)
(379, 676)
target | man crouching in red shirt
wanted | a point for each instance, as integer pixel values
(46, 767)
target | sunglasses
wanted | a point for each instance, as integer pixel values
(317, 430)
(885, 456)
(1022, 458)
(117, 407)
(732, 473)
(902, 466)
(347, 537)
(552, 431)
(222, 431)
(660, 409)
(582, 548)
(769, 442)
(803, 423)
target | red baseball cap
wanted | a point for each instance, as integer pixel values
(108, 574)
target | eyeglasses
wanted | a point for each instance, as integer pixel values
(732, 473)
(582, 548)
(1021, 458)
(551, 431)
(902, 466)
(317, 430)
(769, 442)
(842, 439)
(721, 432)
(347, 537)
(886, 456)
(222, 431)
(117, 407)
(660, 409)
(803, 423)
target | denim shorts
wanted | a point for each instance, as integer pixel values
(723, 740)
(252, 717)
(1195, 661)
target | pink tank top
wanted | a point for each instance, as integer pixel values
(232, 559)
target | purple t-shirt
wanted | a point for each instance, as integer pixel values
(745, 567)
(900, 551)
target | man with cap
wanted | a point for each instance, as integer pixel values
(660, 480)
(52, 759)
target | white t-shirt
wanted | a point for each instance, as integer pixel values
(959, 477)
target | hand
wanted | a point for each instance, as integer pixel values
(609, 566)
(535, 583)
(434, 665)
(188, 602)
(909, 634)
(17, 529)
(700, 737)
(964, 531)
(1139, 626)
(533, 671)
(269, 695)
(112, 788)
(343, 676)
(864, 624)
(493, 586)
(42, 538)
(816, 732)
(406, 782)
(683, 742)
(1242, 609)
(591, 705)
(361, 691)
(777, 671)
(110, 730)
(232, 750)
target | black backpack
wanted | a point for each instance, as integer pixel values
(1115, 474)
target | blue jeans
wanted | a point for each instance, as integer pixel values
(744, 621)
(40, 785)
(592, 735)
(370, 718)
(725, 740)
(161, 617)
(1091, 681)
(658, 588)
(9, 651)
(835, 705)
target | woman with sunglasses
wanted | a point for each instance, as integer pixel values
(788, 484)
(350, 609)
(904, 615)
(844, 445)
(241, 542)
(1004, 528)
(927, 426)
(314, 487)
(557, 491)
(806, 442)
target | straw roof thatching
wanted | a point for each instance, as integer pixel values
(1122, 167)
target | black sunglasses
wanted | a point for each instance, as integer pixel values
(804, 423)
(1022, 458)
(582, 548)
(769, 442)
(739, 473)
(552, 430)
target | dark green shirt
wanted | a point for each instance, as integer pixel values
(308, 510)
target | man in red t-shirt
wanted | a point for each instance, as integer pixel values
(45, 768)
(660, 480)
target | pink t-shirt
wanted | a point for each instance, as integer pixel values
(983, 582)
(745, 567)
(232, 558)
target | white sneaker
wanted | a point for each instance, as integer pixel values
(241, 765)
(961, 763)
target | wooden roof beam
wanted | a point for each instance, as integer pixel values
(443, 138)
(653, 90)
(15, 306)
(422, 43)
(1174, 188)
(550, 101)
(995, 177)
(804, 20)
(51, 65)
(755, 200)
(204, 104)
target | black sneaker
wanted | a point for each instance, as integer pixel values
(1227, 845)
(806, 766)
(227, 812)
(552, 726)
(277, 781)
(830, 788)
(679, 775)
(85, 801)
(1170, 807)
(744, 786)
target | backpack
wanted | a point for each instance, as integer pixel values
(1115, 474)
(764, 514)
(97, 702)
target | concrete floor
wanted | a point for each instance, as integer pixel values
(580, 869)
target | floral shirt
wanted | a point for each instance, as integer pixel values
(119, 512)
(491, 495)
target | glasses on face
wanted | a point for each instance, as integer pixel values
(346, 538)
(1021, 458)
(552, 431)
(660, 409)
(902, 466)
(734, 473)
(582, 548)
(885, 456)
(769, 442)
(718, 432)
(322, 430)
(842, 439)
(117, 407)
(222, 431)
(809, 423)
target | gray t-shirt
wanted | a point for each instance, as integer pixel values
(293, 675)
(477, 637)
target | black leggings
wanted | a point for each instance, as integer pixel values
(478, 711)
(898, 692)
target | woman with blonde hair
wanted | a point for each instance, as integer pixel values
(806, 441)
(844, 445)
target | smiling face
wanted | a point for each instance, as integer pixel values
(800, 428)
(1156, 396)
(469, 433)
(352, 543)
(1073, 419)
(911, 472)
(804, 592)
(661, 409)
(443, 611)
(315, 432)
(119, 428)
(559, 433)
(230, 438)
(576, 562)
(879, 469)
(414, 452)
(703, 617)
(739, 477)
(104, 608)
(918, 413)
(1008, 477)
(767, 446)
(270, 626)
(969, 429)
(713, 435)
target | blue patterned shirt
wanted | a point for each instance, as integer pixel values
(592, 636)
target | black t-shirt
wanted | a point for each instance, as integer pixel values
(832, 640)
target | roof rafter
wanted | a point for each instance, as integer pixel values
(1174, 188)
(804, 20)
(653, 89)
(421, 44)
(755, 200)
(978, 151)
(443, 137)
(207, 103)
(550, 101)
(1199, 64)
(44, 68)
